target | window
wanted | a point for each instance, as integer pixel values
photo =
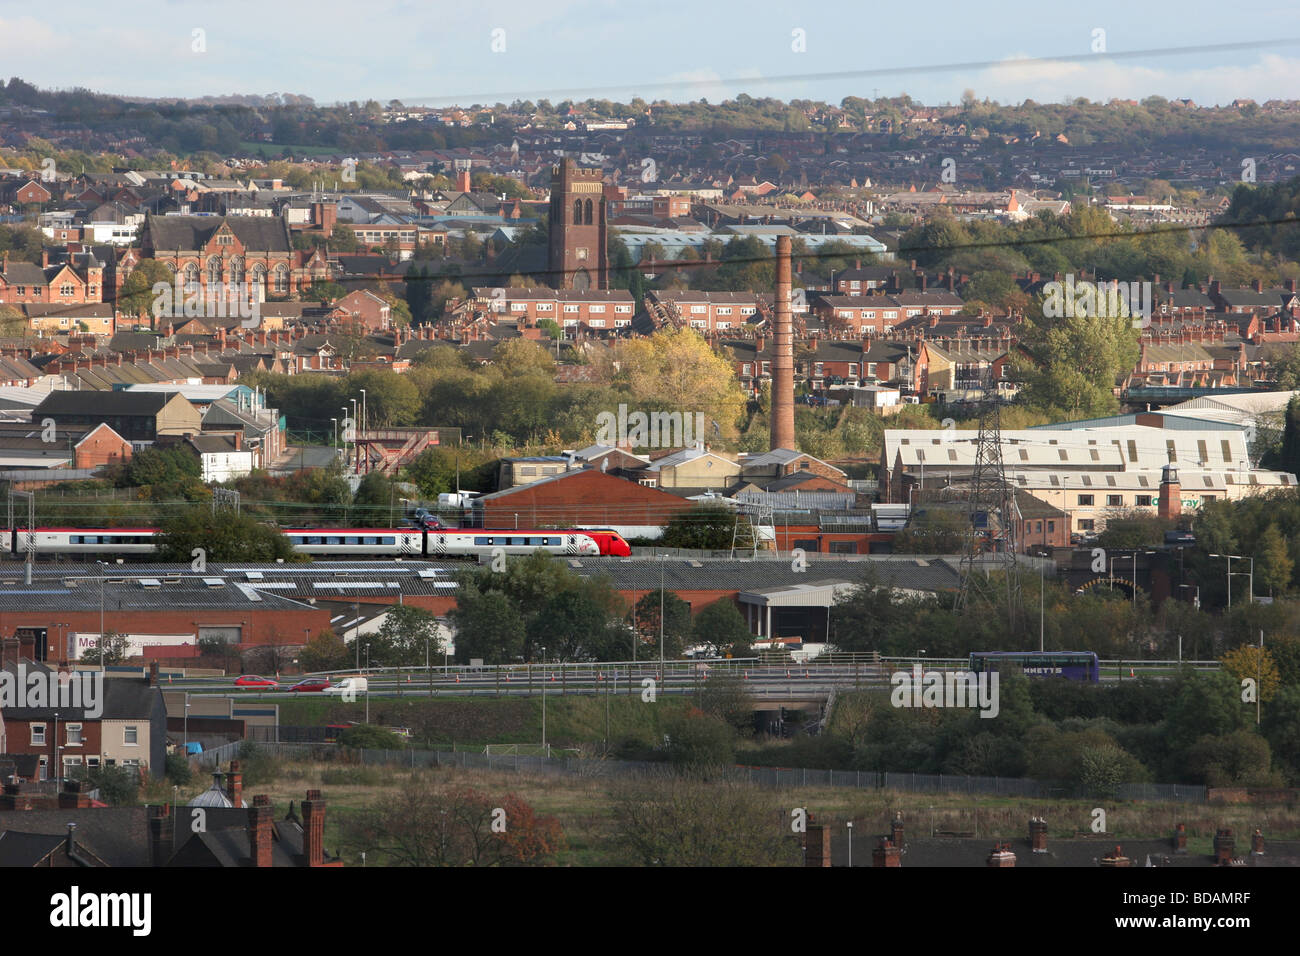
(1087, 524)
(1114, 501)
(131, 736)
(1051, 527)
(1085, 501)
(1142, 501)
(571, 308)
(38, 734)
(595, 308)
(622, 309)
(74, 735)
(843, 547)
(66, 289)
(1039, 529)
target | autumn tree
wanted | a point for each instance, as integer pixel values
(1249, 661)
(675, 370)
(425, 825)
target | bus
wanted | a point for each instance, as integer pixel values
(1072, 665)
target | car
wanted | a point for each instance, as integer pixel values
(252, 680)
(311, 684)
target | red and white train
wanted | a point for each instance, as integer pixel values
(339, 542)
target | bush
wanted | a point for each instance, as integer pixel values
(257, 765)
(178, 769)
(371, 737)
(697, 740)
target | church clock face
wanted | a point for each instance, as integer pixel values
(581, 254)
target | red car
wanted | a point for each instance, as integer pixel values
(252, 680)
(311, 684)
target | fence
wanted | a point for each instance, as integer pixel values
(778, 778)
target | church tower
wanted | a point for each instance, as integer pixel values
(578, 257)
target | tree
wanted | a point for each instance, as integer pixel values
(1240, 758)
(676, 625)
(1254, 663)
(441, 826)
(704, 527)
(1275, 564)
(680, 821)
(325, 652)
(699, 742)
(222, 537)
(488, 627)
(677, 370)
(727, 697)
(111, 648)
(721, 629)
(933, 531)
(12, 322)
(136, 297)
(408, 635)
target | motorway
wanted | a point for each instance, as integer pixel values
(804, 682)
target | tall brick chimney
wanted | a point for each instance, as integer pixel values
(817, 850)
(782, 434)
(886, 854)
(313, 828)
(1180, 838)
(235, 785)
(259, 831)
(160, 834)
(896, 830)
(1224, 845)
(1037, 835)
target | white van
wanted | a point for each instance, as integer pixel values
(348, 685)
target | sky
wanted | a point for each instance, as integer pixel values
(430, 52)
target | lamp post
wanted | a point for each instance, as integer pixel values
(187, 726)
(543, 699)
(363, 409)
(1251, 573)
(57, 769)
(335, 443)
(850, 844)
(99, 644)
(661, 616)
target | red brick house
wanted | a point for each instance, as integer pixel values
(365, 309)
(581, 496)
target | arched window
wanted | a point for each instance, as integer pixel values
(191, 274)
(257, 278)
(237, 270)
(280, 280)
(577, 212)
(214, 271)
(588, 220)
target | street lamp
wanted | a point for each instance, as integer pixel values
(850, 844)
(363, 409)
(103, 570)
(1238, 557)
(544, 699)
(187, 726)
(336, 433)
